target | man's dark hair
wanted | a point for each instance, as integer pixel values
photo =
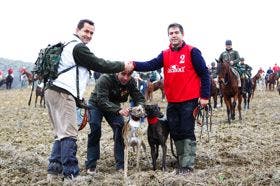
(83, 21)
(176, 25)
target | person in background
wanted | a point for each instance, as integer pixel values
(276, 69)
(1, 75)
(23, 77)
(232, 57)
(96, 75)
(246, 72)
(268, 72)
(213, 70)
(261, 71)
(105, 101)
(186, 84)
(62, 96)
(9, 78)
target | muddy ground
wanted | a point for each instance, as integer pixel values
(246, 152)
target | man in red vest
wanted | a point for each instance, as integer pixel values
(186, 84)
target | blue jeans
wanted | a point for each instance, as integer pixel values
(93, 148)
(181, 121)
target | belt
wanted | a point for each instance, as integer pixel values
(58, 89)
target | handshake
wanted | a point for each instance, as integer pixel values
(128, 66)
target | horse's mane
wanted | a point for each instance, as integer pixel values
(227, 74)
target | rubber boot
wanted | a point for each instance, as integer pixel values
(186, 152)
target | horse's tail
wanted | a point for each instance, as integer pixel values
(32, 89)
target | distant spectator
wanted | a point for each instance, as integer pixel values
(1, 75)
(11, 71)
(96, 75)
(276, 69)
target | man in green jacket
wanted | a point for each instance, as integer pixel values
(232, 57)
(110, 91)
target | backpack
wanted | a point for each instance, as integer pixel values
(46, 65)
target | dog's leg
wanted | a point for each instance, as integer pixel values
(164, 149)
(125, 140)
(138, 155)
(145, 151)
(125, 162)
(154, 156)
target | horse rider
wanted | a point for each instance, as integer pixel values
(246, 72)
(144, 76)
(232, 57)
(1, 75)
(260, 71)
(276, 69)
(153, 76)
(268, 73)
(213, 70)
(11, 71)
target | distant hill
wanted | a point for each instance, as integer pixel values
(5, 64)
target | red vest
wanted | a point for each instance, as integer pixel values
(181, 83)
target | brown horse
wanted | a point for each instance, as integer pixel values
(255, 80)
(40, 92)
(30, 77)
(271, 80)
(230, 90)
(153, 86)
(9, 81)
(214, 93)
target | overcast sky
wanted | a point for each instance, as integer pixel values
(137, 29)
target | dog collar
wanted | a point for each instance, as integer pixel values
(152, 121)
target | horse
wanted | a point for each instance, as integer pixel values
(153, 86)
(2, 82)
(9, 81)
(40, 92)
(215, 92)
(246, 91)
(271, 80)
(30, 77)
(254, 80)
(230, 90)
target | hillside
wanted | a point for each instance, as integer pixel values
(5, 64)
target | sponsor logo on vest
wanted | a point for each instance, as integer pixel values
(175, 69)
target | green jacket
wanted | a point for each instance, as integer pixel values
(85, 58)
(230, 55)
(245, 70)
(109, 93)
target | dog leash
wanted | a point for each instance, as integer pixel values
(199, 115)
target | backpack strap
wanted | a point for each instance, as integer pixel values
(69, 68)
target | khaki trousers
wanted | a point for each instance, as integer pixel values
(62, 112)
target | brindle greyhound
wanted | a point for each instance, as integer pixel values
(133, 136)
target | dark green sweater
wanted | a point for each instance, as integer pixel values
(109, 93)
(85, 58)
